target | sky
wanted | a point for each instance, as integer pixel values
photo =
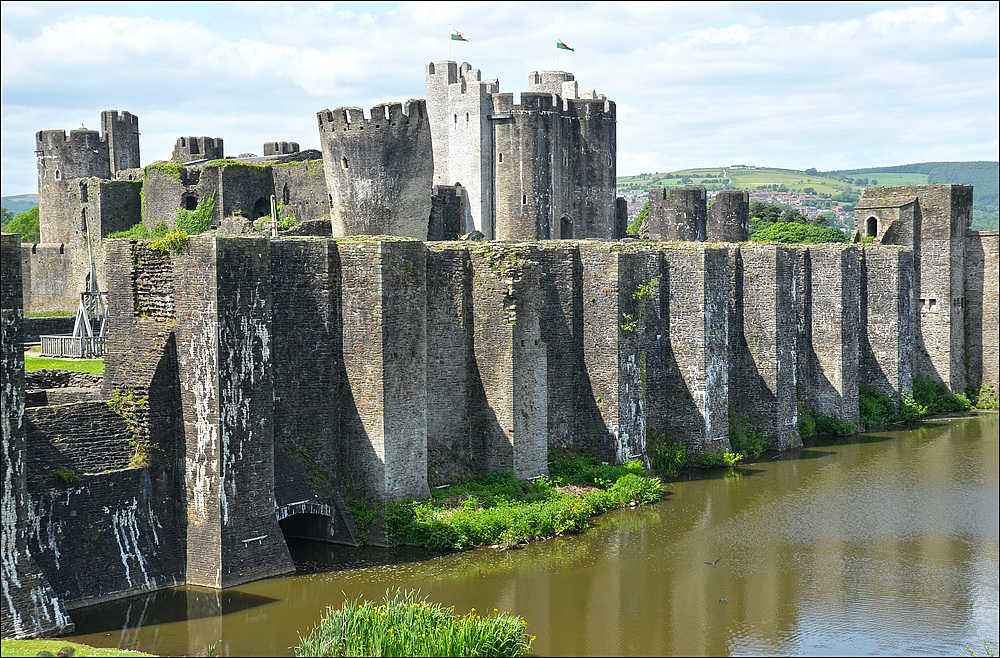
(825, 85)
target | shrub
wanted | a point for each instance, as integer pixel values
(173, 241)
(667, 455)
(937, 398)
(719, 458)
(140, 232)
(199, 220)
(875, 408)
(499, 509)
(407, 626)
(983, 397)
(744, 439)
(67, 475)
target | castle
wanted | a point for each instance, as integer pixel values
(256, 388)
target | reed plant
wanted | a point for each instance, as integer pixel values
(405, 625)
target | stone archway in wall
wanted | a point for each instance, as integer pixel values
(307, 519)
(871, 227)
(261, 208)
(565, 228)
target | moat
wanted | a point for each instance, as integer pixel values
(884, 544)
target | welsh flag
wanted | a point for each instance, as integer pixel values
(562, 46)
(458, 36)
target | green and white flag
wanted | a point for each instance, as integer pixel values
(458, 36)
(562, 46)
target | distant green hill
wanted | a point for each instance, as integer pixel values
(984, 176)
(843, 186)
(19, 202)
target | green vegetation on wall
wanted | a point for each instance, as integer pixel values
(199, 220)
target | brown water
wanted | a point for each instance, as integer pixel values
(887, 544)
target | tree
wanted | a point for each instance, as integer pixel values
(25, 223)
(639, 220)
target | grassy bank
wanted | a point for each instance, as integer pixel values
(54, 647)
(497, 509)
(407, 626)
(34, 361)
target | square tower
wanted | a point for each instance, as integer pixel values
(933, 221)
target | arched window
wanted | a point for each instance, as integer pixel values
(872, 227)
(524, 199)
(286, 196)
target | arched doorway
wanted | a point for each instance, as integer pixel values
(565, 228)
(872, 227)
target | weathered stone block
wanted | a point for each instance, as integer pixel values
(223, 301)
(510, 401)
(696, 378)
(886, 320)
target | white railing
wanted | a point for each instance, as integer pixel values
(77, 347)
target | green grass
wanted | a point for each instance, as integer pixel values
(741, 179)
(33, 361)
(32, 647)
(407, 626)
(50, 314)
(498, 509)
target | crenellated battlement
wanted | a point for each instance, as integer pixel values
(187, 149)
(383, 115)
(58, 140)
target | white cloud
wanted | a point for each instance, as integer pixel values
(830, 85)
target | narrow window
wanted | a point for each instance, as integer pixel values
(285, 195)
(456, 119)
(331, 201)
(123, 163)
(524, 199)
(83, 192)
(466, 117)
(58, 174)
(872, 227)
(83, 220)
(500, 157)
(343, 161)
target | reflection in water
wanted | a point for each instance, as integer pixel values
(888, 544)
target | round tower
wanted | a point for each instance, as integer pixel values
(61, 159)
(379, 170)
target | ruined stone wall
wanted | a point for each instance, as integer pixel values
(693, 385)
(301, 188)
(48, 271)
(450, 365)
(510, 403)
(827, 352)
(561, 328)
(611, 422)
(224, 337)
(763, 372)
(886, 320)
(86, 437)
(384, 426)
(308, 377)
(677, 214)
(982, 310)
(29, 606)
(104, 536)
(379, 170)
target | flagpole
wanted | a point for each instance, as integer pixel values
(449, 41)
